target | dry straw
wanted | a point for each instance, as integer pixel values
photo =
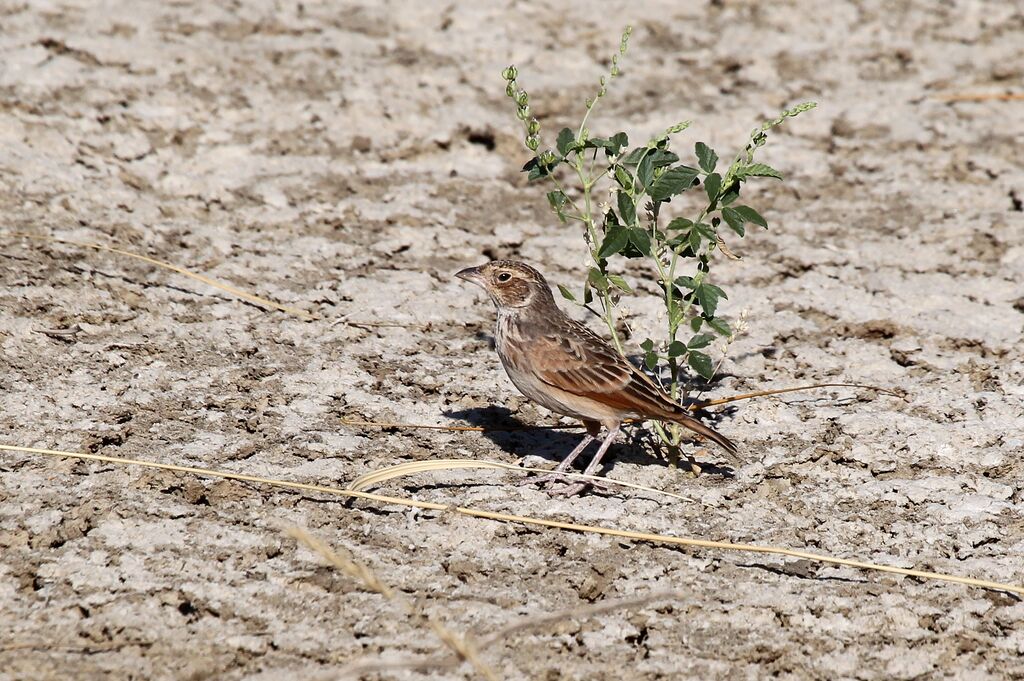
(227, 288)
(530, 520)
(462, 646)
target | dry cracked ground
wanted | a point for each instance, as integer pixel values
(346, 159)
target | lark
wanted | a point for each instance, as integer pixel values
(562, 365)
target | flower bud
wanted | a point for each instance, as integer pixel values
(532, 142)
(510, 89)
(522, 99)
(523, 112)
(533, 127)
(510, 73)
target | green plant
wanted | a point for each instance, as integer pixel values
(637, 225)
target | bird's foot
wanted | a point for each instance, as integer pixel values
(559, 484)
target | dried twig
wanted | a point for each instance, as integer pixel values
(227, 288)
(528, 520)
(461, 646)
(438, 662)
(983, 97)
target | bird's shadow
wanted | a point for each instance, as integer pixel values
(637, 445)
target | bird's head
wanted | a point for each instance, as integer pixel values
(510, 284)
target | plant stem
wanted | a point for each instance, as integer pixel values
(587, 182)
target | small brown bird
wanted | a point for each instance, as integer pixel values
(564, 366)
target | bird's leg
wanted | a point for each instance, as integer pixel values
(608, 440)
(577, 487)
(559, 473)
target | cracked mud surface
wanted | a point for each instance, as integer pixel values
(347, 160)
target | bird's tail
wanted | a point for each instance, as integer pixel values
(699, 428)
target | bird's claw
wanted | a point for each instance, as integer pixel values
(561, 485)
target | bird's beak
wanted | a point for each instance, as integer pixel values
(472, 275)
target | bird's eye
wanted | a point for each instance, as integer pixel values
(504, 276)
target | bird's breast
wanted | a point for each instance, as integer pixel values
(514, 347)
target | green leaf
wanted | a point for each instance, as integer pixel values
(662, 157)
(673, 181)
(751, 215)
(686, 282)
(701, 363)
(695, 240)
(611, 145)
(645, 171)
(647, 345)
(701, 340)
(679, 223)
(712, 185)
(566, 140)
(623, 178)
(641, 240)
(707, 157)
(597, 279)
(730, 194)
(705, 230)
(696, 323)
(676, 348)
(615, 239)
(633, 157)
(650, 360)
(708, 296)
(719, 325)
(566, 293)
(616, 142)
(627, 209)
(541, 165)
(718, 292)
(733, 218)
(557, 200)
(619, 283)
(759, 170)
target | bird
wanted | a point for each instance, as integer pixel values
(564, 366)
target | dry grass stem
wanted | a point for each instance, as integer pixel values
(523, 624)
(461, 646)
(529, 520)
(983, 97)
(381, 475)
(227, 288)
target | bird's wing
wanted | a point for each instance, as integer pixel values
(578, 361)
